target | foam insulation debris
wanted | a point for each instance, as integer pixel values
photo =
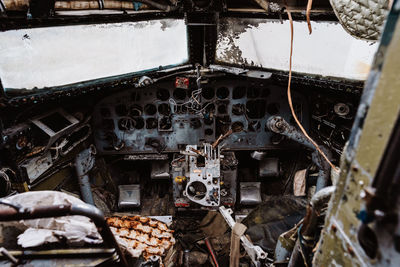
(141, 235)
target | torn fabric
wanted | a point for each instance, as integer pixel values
(76, 229)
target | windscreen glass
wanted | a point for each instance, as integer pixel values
(328, 51)
(55, 56)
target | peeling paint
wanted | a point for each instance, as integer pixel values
(359, 166)
(328, 51)
(229, 31)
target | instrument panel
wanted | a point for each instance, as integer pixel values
(161, 118)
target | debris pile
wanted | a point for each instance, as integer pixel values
(141, 235)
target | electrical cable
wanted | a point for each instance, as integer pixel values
(308, 11)
(289, 95)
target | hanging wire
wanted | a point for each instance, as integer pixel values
(289, 95)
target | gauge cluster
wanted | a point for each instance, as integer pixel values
(163, 118)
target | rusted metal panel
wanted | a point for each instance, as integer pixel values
(142, 235)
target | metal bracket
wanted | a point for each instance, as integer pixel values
(55, 133)
(255, 252)
(242, 71)
(8, 255)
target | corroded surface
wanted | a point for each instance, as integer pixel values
(142, 235)
(339, 244)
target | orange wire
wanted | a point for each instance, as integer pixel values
(308, 11)
(290, 96)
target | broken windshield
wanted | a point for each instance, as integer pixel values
(330, 51)
(56, 56)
